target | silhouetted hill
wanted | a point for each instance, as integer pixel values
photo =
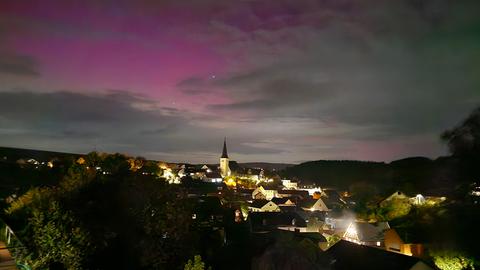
(266, 165)
(414, 174)
(338, 173)
(411, 161)
(14, 154)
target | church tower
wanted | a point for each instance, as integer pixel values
(224, 168)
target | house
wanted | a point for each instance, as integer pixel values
(474, 193)
(336, 222)
(291, 193)
(262, 193)
(206, 168)
(299, 234)
(314, 205)
(370, 234)
(312, 222)
(259, 193)
(268, 221)
(332, 199)
(263, 206)
(289, 184)
(213, 177)
(311, 189)
(418, 199)
(285, 204)
(394, 243)
(33, 161)
(330, 193)
(283, 201)
(346, 256)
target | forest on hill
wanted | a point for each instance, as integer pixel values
(412, 175)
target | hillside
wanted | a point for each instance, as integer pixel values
(266, 165)
(414, 174)
(14, 154)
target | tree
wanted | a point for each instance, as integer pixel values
(446, 259)
(91, 219)
(59, 238)
(464, 140)
(393, 209)
(163, 219)
(196, 264)
(52, 234)
(464, 143)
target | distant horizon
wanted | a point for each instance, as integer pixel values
(216, 162)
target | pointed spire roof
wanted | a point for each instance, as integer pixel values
(224, 152)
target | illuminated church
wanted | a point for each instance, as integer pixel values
(224, 161)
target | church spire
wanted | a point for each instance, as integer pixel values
(224, 152)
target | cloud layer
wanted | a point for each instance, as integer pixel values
(285, 81)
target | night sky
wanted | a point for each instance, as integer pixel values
(283, 80)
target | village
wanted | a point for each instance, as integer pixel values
(324, 215)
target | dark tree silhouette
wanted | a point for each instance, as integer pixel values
(464, 143)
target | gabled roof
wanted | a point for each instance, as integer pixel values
(331, 193)
(258, 203)
(331, 202)
(279, 201)
(367, 232)
(314, 205)
(287, 208)
(294, 192)
(259, 189)
(204, 167)
(308, 203)
(269, 220)
(347, 256)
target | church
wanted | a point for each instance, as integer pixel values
(231, 168)
(224, 161)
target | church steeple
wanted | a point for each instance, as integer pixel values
(224, 162)
(224, 152)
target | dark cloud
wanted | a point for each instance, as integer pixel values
(15, 64)
(395, 76)
(112, 121)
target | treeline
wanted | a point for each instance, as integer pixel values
(93, 220)
(411, 175)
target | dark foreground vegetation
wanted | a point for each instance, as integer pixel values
(120, 220)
